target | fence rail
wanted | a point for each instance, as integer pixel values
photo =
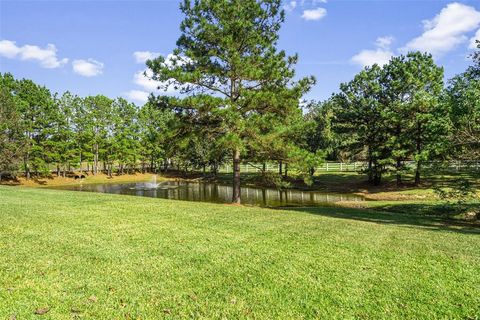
(329, 166)
(357, 166)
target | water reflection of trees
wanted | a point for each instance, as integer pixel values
(210, 192)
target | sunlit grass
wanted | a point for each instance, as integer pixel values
(100, 256)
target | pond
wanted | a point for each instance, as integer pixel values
(217, 193)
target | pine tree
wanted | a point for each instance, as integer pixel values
(359, 120)
(125, 137)
(37, 115)
(412, 87)
(227, 64)
(65, 151)
(98, 117)
(12, 139)
(463, 99)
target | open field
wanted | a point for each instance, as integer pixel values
(106, 256)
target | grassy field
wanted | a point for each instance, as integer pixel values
(99, 256)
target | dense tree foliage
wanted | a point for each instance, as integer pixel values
(12, 139)
(463, 97)
(360, 120)
(394, 113)
(60, 132)
(417, 122)
(234, 78)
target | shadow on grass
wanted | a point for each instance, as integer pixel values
(442, 210)
(394, 218)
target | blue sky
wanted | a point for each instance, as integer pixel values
(88, 47)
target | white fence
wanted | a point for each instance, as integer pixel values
(357, 166)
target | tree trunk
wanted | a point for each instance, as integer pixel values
(370, 170)
(286, 171)
(81, 169)
(417, 173)
(236, 177)
(264, 168)
(95, 160)
(399, 175)
(27, 169)
(419, 148)
(280, 171)
(377, 180)
(165, 165)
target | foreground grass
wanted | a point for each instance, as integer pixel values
(100, 256)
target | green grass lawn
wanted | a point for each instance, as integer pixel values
(101, 256)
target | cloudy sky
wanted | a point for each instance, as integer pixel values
(92, 47)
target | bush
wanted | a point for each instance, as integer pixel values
(463, 196)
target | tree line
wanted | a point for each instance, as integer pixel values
(42, 133)
(403, 111)
(240, 101)
(40, 130)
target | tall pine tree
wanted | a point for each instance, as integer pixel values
(228, 66)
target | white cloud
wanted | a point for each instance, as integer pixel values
(145, 81)
(143, 56)
(381, 55)
(447, 30)
(47, 57)
(290, 6)
(9, 49)
(473, 45)
(384, 42)
(311, 2)
(87, 68)
(370, 57)
(314, 14)
(137, 95)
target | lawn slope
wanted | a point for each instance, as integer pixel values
(100, 256)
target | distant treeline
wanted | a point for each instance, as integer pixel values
(386, 116)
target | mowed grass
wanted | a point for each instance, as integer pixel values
(100, 256)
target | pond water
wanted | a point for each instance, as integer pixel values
(211, 192)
